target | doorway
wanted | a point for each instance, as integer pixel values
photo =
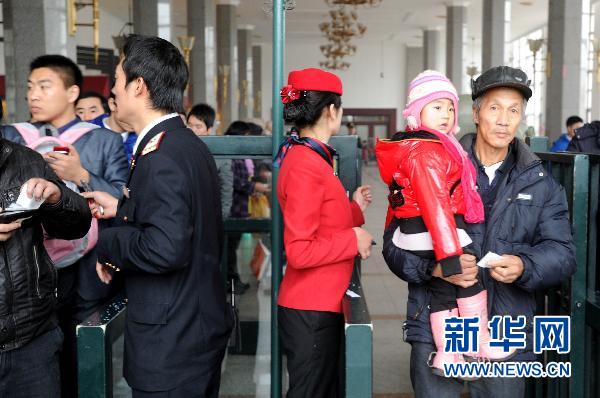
(370, 124)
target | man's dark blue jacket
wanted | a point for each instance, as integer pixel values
(529, 219)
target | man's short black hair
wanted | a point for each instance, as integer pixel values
(238, 128)
(571, 120)
(203, 112)
(162, 67)
(93, 94)
(254, 129)
(68, 70)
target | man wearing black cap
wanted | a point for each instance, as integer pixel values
(526, 223)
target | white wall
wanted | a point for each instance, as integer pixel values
(375, 79)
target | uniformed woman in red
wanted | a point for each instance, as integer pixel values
(321, 235)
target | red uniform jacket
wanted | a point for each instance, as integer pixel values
(430, 181)
(319, 241)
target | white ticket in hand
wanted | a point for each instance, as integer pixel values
(24, 202)
(483, 263)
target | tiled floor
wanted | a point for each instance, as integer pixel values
(386, 297)
(249, 375)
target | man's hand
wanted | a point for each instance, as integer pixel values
(68, 167)
(38, 188)
(6, 230)
(467, 278)
(103, 205)
(507, 269)
(363, 196)
(104, 273)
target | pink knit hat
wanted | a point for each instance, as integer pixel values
(429, 86)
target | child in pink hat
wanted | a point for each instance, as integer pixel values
(432, 197)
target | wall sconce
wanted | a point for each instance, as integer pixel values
(119, 38)
(187, 44)
(472, 71)
(258, 103)
(535, 45)
(72, 8)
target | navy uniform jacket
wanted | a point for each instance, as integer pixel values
(166, 241)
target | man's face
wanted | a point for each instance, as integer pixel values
(499, 117)
(198, 126)
(124, 95)
(47, 97)
(571, 129)
(89, 108)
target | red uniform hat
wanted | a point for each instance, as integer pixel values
(310, 79)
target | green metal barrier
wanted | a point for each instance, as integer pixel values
(95, 336)
(95, 339)
(359, 340)
(348, 166)
(579, 174)
(538, 144)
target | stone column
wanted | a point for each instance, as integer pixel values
(227, 73)
(257, 81)
(456, 21)
(414, 63)
(493, 31)
(22, 44)
(145, 17)
(245, 84)
(566, 83)
(431, 50)
(203, 67)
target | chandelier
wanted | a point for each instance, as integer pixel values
(355, 3)
(343, 26)
(334, 64)
(339, 31)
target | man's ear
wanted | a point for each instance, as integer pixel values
(73, 93)
(139, 86)
(475, 115)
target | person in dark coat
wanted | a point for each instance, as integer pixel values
(30, 336)
(167, 234)
(526, 223)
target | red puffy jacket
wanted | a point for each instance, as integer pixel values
(423, 175)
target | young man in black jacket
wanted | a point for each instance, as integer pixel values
(30, 339)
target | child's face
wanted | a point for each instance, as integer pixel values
(438, 115)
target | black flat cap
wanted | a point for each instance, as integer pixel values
(501, 76)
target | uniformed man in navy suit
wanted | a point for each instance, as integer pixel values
(167, 235)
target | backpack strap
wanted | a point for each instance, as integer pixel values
(76, 132)
(28, 131)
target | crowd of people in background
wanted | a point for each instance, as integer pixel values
(146, 222)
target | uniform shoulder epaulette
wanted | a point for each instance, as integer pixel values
(153, 144)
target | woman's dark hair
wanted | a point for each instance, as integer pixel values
(237, 128)
(306, 110)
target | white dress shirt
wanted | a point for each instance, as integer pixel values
(149, 127)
